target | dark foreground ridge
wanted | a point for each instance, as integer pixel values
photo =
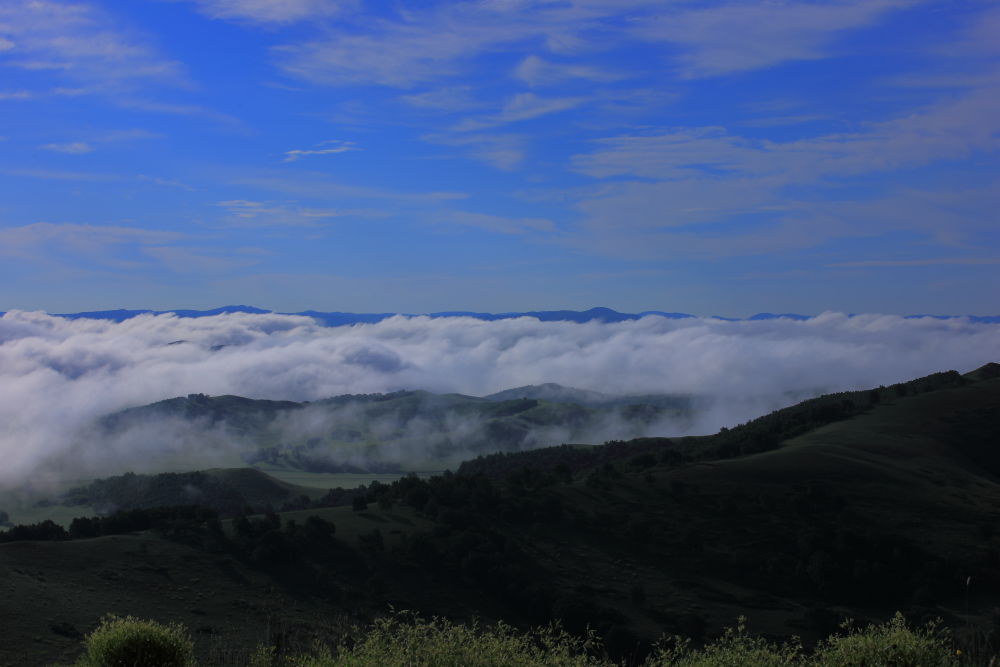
(850, 505)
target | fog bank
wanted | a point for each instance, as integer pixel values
(57, 375)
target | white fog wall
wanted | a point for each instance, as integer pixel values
(57, 375)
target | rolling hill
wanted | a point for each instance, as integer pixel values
(405, 430)
(847, 505)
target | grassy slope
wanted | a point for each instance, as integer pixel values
(903, 469)
(50, 590)
(698, 536)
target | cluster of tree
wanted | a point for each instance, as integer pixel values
(178, 522)
(571, 459)
(228, 494)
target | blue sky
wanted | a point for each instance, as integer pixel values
(713, 158)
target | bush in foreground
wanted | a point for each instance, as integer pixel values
(407, 640)
(735, 648)
(892, 643)
(130, 642)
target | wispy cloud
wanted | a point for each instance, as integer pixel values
(93, 241)
(111, 137)
(63, 175)
(171, 108)
(695, 175)
(269, 11)
(500, 224)
(250, 213)
(80, 42)
(73, 148)
(165, 182)
(420, 46)
(16, 95)
(724, 39)
(503, 151)
(536, 72)
(904, 263)
(449, 99)
(186, 260)
(333, 146)
(321, 187)
(520, 107)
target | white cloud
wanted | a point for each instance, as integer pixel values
(57, 375)
(185, 260)
(165, 182)
(906, 263)
(17, 95)
(949, 129)
(702, 175)
(80, 42)
(270, 11)
(334, 146)
(536, 72)
(323, 188)
(41, 238)
(503, 151)
(438, 42)
(425, 45)
(73, 148)
(248, 213)
(501, 224)
(62, 175)
(180, 110)
(523, 106)
(455, 98)
(729, 38)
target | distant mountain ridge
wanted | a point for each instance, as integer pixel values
(337, 318)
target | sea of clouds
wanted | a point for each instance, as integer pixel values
(58, 375)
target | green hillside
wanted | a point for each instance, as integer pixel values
(848, 505)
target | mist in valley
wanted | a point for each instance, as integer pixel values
(60, 377)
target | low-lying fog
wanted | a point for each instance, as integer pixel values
(57, 375)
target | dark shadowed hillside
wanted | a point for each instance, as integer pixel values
(855, 504)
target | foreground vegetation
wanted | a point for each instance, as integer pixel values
(851, 505)
(404, 640)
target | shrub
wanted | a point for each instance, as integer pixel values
(891, 644)
(130, 642)
(735, 648)
(409, 641)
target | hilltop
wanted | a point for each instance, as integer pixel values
(403, 430)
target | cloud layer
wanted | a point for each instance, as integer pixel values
(58, 375)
